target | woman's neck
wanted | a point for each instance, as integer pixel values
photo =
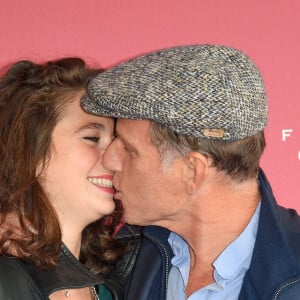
(72, 240)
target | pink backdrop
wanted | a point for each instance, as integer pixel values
(107, 32)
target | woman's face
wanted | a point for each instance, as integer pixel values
(78, 186)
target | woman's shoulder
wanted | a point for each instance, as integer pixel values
(15, 283)
(9, 266)
(11, 272)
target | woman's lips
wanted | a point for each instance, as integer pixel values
(104, 182)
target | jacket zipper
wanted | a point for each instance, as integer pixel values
(279, 290)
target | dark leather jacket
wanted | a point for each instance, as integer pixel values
(21, 280)
(274, 272)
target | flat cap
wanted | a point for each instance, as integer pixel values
(206, 91)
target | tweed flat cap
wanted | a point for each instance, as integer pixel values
(204, 91)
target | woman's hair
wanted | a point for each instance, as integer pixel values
(32, 99)
(238, 159)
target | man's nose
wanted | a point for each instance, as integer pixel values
(111, 158)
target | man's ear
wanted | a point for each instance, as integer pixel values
(196, 169)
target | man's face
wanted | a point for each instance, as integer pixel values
(149, 189)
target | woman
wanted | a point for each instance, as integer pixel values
(53, 183)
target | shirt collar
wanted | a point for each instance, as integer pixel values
(236, 258)
(232, 262)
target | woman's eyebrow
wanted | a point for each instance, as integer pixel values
(92, 126)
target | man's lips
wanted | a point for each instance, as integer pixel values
(117, 195)
(115, 184)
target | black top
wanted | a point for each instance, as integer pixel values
(22, 280)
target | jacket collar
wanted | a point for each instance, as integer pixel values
(69, 273)
(160, 234)
(276, 255)
(273, 262)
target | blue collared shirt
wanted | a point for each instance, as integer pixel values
(229, 268)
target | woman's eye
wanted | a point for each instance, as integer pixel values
(94, 139)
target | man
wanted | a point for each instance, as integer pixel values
(189, 137)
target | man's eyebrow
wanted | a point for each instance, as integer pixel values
(120, 136)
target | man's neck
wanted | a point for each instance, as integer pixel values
(211, 223)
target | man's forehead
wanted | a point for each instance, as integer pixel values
(120, 123)
(128, 128)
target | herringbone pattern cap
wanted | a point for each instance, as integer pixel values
(205, 91)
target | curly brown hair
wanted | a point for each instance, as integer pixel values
(32, 98)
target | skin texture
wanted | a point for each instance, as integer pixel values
(187, 195)
(78, 143)
(54, 187)
(145, 188)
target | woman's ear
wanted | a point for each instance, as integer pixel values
(196, 169)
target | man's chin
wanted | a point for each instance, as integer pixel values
(129, 219)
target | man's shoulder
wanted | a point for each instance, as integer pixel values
(142, 272)
(148, 244)
(289, 218)
(152, 232)
(156, 232)
(284, 221)
(290, 226)
(129, 231)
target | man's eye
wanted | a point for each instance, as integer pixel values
(94, 139)
(129, 149)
